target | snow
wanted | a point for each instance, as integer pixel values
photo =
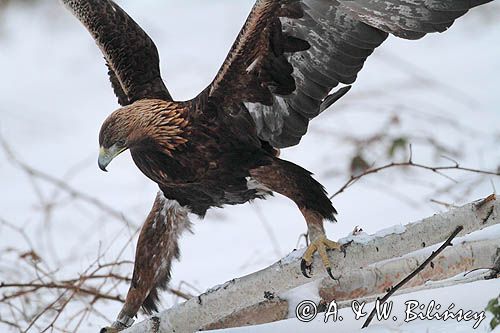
(308, 291)
(293, 256)
(364, 238)
(460, 295)
(492, 232)
(461, 277)
(55, 94)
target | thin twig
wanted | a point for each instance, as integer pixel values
(33, 172)
(53, 285)
(442, 203)
(412, 275)
(269, 230)
(436, 169)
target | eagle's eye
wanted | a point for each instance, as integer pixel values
(121, 143)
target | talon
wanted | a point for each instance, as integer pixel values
(108, 330)
(329, 271)
(344, 246)
(304, 267)
(321, 245)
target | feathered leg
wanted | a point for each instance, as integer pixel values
(297, 184)
(156, 248)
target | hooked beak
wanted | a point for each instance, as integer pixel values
(106, 155)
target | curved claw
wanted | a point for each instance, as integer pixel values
(344, 246)
(329, 271)
(304, 267)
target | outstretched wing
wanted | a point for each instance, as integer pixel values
(131, 56)
(290, 54)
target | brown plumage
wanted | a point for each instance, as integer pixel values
(221, 147)
(159, 235)
(162, 121)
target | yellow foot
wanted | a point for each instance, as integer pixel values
(320, 245)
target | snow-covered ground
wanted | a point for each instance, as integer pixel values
(55, 93)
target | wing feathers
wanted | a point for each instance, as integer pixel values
(131, 56)
(410, 19)
(307, 47)
(453, 4)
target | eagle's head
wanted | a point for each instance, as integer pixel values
(146, 124)
(114, 136)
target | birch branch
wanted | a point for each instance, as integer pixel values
(254, 290)
(467, 261)
(450, 267)
(410, 276)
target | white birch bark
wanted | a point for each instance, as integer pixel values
(246, 292)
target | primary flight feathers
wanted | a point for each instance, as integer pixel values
(286, 60)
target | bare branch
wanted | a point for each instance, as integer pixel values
(35, 173)
(392, 290)
(410, 163)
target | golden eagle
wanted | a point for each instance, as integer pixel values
(221, 147)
